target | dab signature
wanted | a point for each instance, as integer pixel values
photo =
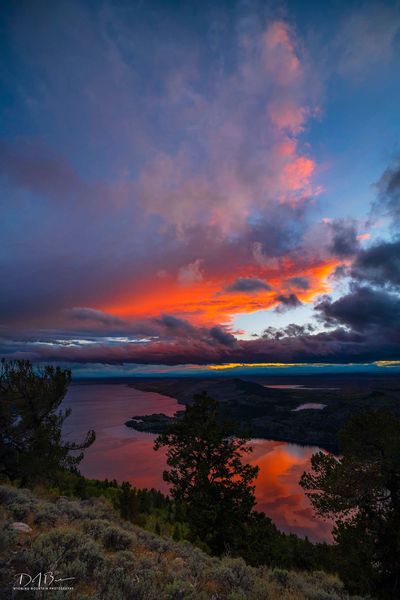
(39, 581)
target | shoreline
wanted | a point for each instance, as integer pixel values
(270, 413)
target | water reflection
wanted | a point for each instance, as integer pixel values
(126, 454)
(278, 492)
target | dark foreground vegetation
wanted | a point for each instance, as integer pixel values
(206, 541)
(113, 559)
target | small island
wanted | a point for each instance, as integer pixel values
(155, 423)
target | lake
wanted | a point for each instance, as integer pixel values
(124, 454)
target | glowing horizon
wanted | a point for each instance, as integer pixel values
(192, 193)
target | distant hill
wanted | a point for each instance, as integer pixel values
(270, 413)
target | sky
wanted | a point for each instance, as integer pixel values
(192, 184)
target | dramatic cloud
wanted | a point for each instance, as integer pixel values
(247, 284)
(345, 241)
(389, 193)
(379, 264)
(91, 314)
(223, 337)
(364, 308)
(172, 183)
(175, 324)
(191, 273)
(287, 302)
(302, 283)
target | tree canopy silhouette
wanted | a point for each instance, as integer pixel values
(31, 446)
(361, 492)
(208, 475)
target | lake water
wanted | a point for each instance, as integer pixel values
(298, 387)
(125, 454)
(309, 406)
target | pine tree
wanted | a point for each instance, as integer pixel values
(361, 492)
(31, 446)
(208, 476)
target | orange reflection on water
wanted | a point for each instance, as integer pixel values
(278, 492)
(127, 455)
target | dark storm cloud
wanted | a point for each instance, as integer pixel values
(301, 283)
(222, 337)
(292, 330)
(336, 346)
(247, 284)
(388, 186)
(363, 309)
(379, 264)
(174, 323)
(344, 238)
(91, 314)
(340, 272)
(286, 302)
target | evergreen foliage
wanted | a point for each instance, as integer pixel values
(31, 446)
(208, 475)
(361, 492)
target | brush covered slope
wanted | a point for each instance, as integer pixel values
(110, 558)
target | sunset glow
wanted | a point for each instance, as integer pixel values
(200, 298)
(185, 194)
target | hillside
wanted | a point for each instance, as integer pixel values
(110, 558)
(271, 413)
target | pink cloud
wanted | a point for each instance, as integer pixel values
(191, 273)
(280, 57)
(245, 130)
(287, 116)
(297, 174)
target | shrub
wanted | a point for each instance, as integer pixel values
(62, 547)
(70, 509)
(19, 502)
(115, 538)
(152, 541)
(231, 574)
(19, 510)
(280, 576)
(7, 535)
(45, 514)
(10, 494)
(98, 508)
(238, 596)
(116, 577)
(95, 527)
(180, 590)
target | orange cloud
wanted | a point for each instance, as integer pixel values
(204, 302)
(297, 173)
